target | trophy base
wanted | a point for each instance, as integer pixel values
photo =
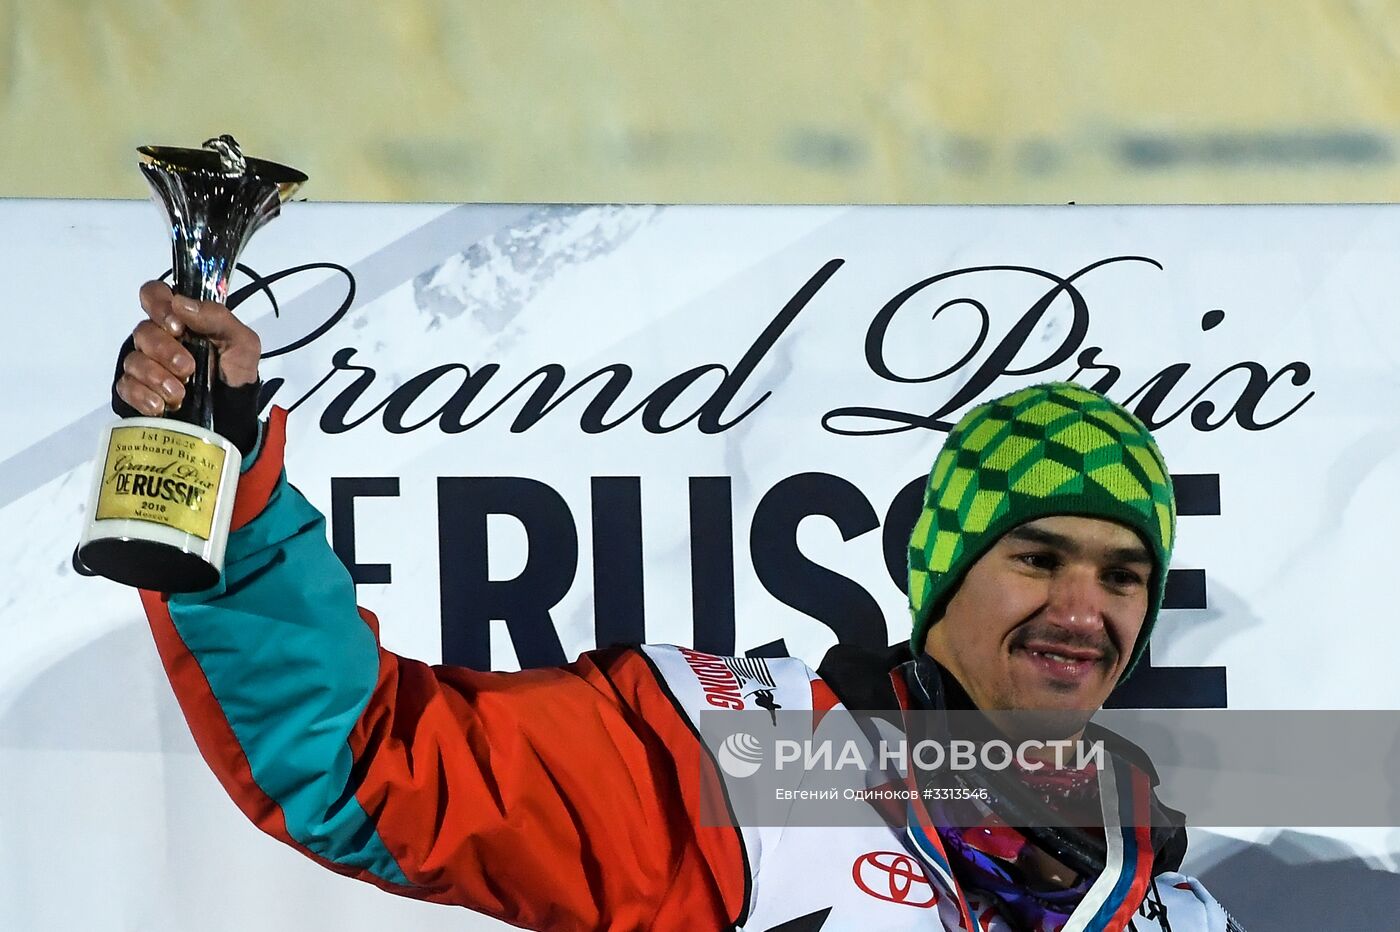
(160, 506)
(147, 564)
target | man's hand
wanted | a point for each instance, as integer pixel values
(153, 365)
(153, 374)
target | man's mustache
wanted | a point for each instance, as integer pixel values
(1048, 636)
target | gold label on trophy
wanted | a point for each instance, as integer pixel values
(161, 476)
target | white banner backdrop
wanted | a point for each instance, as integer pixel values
(701, 425)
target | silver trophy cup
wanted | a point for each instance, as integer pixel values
(163, 487)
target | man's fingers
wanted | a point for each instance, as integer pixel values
(161, 347)
(175, 313)
(156, 300)
(153, 295)
(239, 347)
(145, 371)
(177, 316)
(208, 319)
(139, 396)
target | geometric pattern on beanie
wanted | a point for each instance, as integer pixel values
(1056, 448)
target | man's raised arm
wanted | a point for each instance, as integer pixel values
(562, 798)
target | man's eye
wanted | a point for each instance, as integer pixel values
(1040, 561)
(1123, 579)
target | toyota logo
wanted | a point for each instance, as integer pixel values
(895, 877)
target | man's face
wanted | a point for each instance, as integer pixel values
(1048, 617)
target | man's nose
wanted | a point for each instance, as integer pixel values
(1077, 600)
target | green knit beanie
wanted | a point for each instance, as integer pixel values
(1052, 449)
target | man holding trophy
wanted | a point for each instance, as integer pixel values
(163, 499)
(571, 798)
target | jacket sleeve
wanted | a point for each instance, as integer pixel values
(562, 798)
